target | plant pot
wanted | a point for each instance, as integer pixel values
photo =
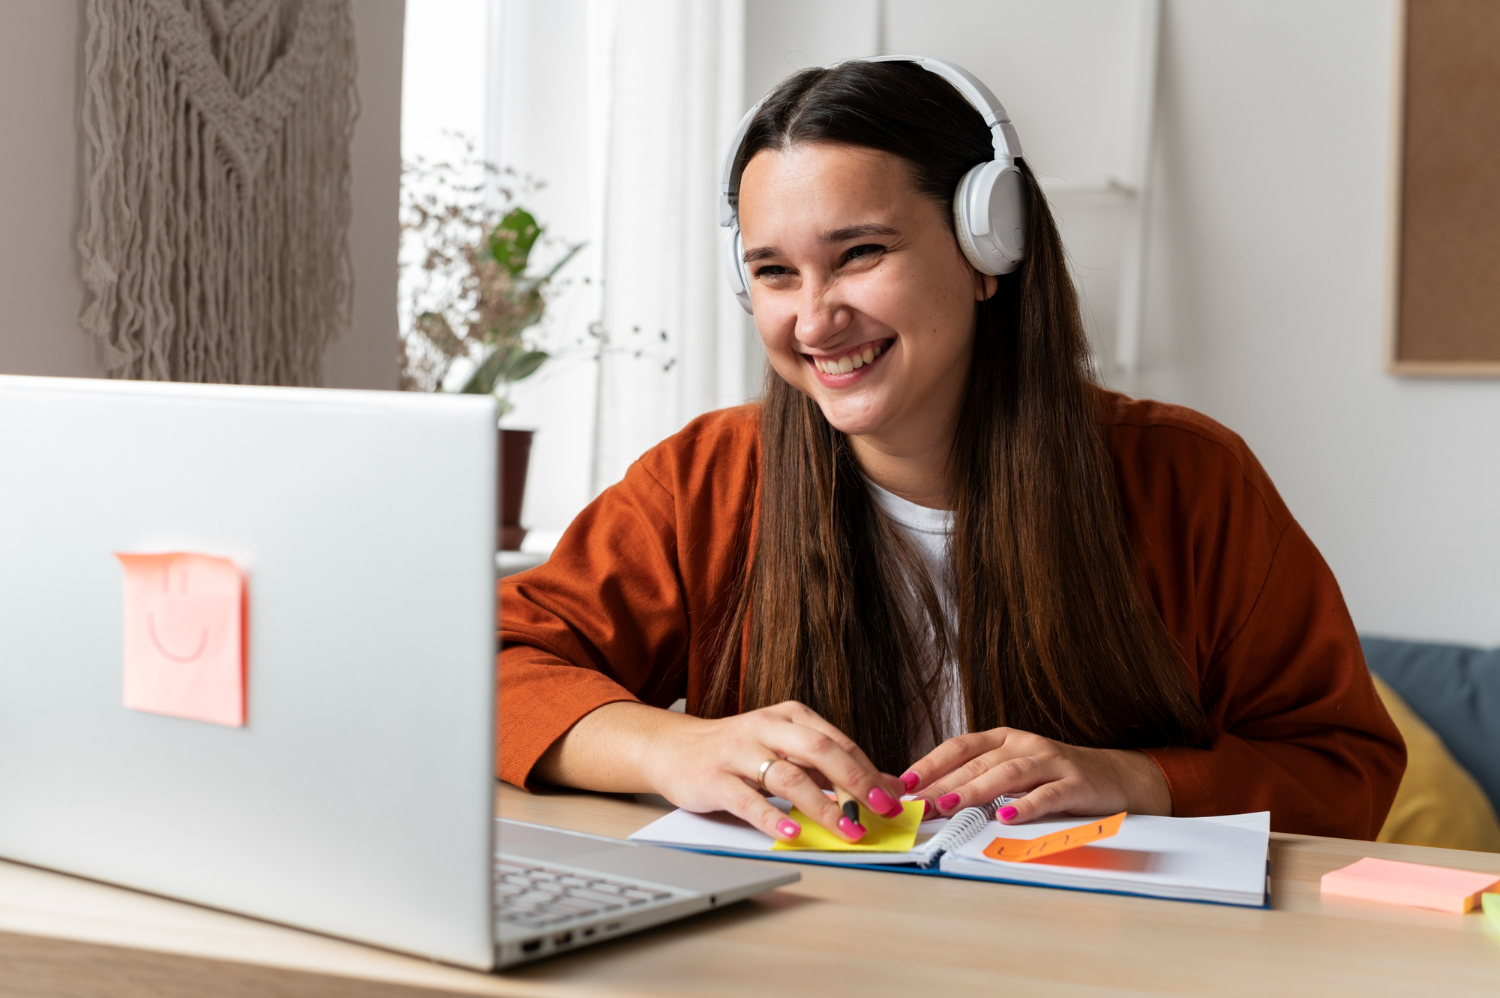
(515, 456)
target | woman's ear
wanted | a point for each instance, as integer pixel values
(986, 286)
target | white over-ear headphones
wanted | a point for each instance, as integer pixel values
(989, 207)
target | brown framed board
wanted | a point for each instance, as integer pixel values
(1446, 315)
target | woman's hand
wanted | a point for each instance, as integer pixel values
(1057, 779)
(705, 765)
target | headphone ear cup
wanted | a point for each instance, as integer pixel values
(989, 216)
(734, 267)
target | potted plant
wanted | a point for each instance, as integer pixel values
(473, 306)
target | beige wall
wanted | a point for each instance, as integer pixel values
(41, 292)
(366, 357)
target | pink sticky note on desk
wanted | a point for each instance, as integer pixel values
(1410, 884)
(185, 636)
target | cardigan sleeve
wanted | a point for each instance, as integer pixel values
(1261, 624)
(601, 621)
(633, 602)
(1303, 732)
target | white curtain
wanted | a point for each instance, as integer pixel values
(624, 109)
(678, 340)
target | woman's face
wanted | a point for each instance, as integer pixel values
(862, 296)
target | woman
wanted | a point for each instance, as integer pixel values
(936, 547)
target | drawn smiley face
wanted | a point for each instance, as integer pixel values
(179, 612)
(184, 636)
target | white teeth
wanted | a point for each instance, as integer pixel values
(844, 365)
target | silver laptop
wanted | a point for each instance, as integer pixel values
(342, 780)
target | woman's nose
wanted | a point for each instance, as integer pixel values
(821, 315)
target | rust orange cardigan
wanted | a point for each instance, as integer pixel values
(626, 606)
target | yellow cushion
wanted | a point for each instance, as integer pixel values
(1438, 802)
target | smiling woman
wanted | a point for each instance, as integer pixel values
(936, 547)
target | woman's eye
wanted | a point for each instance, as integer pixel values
(863, 252)
(771, 270)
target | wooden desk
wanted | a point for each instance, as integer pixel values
(836, 933)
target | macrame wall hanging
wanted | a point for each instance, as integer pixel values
(215, 227)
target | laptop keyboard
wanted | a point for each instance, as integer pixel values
(538, 897)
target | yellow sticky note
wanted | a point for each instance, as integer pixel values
(1022, 850)
(185, 636)
(896, 834)
(1492, 908)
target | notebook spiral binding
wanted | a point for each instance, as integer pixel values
(962, 827)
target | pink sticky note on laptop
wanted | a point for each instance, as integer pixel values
(185, 636)
(1410, 884)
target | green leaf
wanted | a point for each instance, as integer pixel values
(511, 241)
(552, 271)
(525, 365)
(505, 364)
(487, 374)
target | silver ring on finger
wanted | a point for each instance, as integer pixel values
(760, 776)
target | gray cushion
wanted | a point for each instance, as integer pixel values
(1456, 690)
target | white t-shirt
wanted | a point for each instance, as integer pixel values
(930, 530)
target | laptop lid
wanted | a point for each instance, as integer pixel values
(357, 798)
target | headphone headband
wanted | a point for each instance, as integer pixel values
(1003, 135)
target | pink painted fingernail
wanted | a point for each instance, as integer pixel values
(948, 802)
(1007, 812)
(910, 781)
(928, 809)
(852, 829)
(881, 803)
(789, 828)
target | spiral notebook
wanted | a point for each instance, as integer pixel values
(1221, 859)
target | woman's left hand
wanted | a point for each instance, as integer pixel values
(1057, 779)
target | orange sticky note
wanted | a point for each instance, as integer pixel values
(185, 636)
(1021, 850)
(1410, 884)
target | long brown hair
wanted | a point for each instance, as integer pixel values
(1054, 631)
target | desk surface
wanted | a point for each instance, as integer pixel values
(837, 932)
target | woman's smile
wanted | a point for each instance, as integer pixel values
(838, 370)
